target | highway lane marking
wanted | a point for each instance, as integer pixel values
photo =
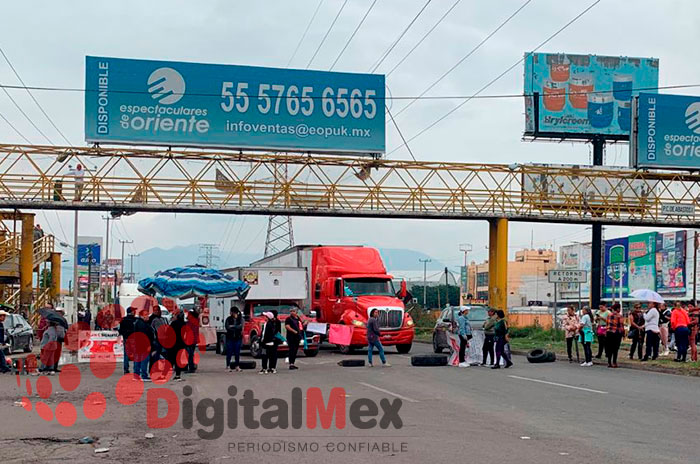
(558, 384)
(405, 398)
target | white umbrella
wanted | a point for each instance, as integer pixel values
(647, 295)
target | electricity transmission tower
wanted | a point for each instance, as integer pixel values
(208, 254)
(280, 235)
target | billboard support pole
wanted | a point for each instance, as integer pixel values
(597, 233)
(695, 269)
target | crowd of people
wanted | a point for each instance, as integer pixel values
(653, 331)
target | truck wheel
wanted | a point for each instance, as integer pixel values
(311, 353)
(30, 345)
(403, 349)
(538, 355)
(255, 347)
(429, 360)
(436, 347)
(345, 349)
(221, 345)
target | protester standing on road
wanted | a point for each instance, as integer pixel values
(664, 319)
(178, 325)
(269, 341)
(3, 361)
(156, 321)
(87, 317)
(571, 325)
(295, 329)
(373, 339)
(679, 324)
(143, 353)
(601, 320)
(234, 338)
(615, 331)
(651, 325)
(464, 330)
(694, 316)
(126, 328)
(193, 325)
(501, 338)
(636, 332)
(48, 348)
(586, 334)
(487, 349)
(60, 338)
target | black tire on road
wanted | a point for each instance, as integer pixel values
(429, 360)
(403, 349)
(538, 355)
(551, 357)
(310, 353)
(29, 346)
(436, 347)
(351, 362)
(246, 364)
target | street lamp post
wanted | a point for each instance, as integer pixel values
(425, 283)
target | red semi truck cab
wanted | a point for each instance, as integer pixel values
(346, 284)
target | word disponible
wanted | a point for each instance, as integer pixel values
(272, 413)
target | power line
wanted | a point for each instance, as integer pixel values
(383, 56)
(424, 37)
(305, 32)
(14, 128)
(474, 96)
(497, 78)
(352, 36)
(32, 96)
(465, 57)
(19, 108)
(327, 33)
(400, 133)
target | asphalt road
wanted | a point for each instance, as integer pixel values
(547, 413)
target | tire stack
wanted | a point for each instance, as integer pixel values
(540, 355)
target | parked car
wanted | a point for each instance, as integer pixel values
(18, 334)
(478, 314)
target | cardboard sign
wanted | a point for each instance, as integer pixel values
(340, 334)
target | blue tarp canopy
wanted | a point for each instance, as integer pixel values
(191, 281)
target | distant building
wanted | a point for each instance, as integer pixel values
(527, 278)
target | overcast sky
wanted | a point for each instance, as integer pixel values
(47, 42)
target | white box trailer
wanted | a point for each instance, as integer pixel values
(267, 284)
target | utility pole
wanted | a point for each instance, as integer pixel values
(425, 283)
(208, 254)
(106, 267)
(123, 242)
(131, 271)
(75, 263)
(465, 248)
(89, 280)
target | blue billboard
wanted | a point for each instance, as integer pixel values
(227, 106)
(580, 96)
(668, 131)
(84, 254)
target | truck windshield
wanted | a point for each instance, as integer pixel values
(358, 287)
(258, 309)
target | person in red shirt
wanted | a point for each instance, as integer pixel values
(679, 324)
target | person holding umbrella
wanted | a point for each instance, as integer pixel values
(651, 324)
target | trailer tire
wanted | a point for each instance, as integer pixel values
(311, 353)
(429, 360)
(538, 355)
(255, 347)
(351, 362)
(403, 349)
(245, 365)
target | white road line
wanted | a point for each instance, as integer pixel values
(558, 384)
(405, 398)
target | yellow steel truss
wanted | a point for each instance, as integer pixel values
(235, 182)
